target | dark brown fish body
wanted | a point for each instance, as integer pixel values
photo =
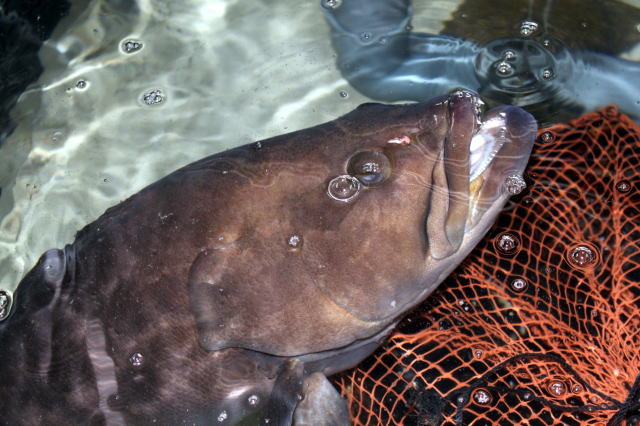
(217, 292)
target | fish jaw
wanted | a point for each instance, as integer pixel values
(479, 166)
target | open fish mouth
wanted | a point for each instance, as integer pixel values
(480, 165)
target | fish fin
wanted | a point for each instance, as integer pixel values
(285, 395)
(322, 404)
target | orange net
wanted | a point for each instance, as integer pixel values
(541, 324)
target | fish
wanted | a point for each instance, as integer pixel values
(227, 291)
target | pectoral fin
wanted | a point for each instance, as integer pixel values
(322, 404)
(286, 393)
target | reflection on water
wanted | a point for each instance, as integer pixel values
(133, 90)
(384, 57)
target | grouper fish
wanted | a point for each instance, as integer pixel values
(227, 292)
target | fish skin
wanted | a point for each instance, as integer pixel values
(188, 302)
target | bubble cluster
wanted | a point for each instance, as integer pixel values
(504, 69)
(547, 74)
(153, 97)
(136, 359)
(528, 28)
(294, 241)
(5, 304)
(331, 4)
(507, 243)
(623, 186)
(131, 46)
(556, 388)
(222, 416)
(366, 35)
(509, 55)
(547, 137)
(582, 255)
(518, 285)
(482, 396)
(514, 184)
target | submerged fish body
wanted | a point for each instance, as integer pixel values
(226, 291)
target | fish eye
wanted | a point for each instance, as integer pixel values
(370, 167)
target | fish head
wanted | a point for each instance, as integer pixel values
(426, 182)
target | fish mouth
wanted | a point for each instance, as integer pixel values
(480, 165)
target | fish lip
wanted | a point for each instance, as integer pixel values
(511, 131)
(481, 149)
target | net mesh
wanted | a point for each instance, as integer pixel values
(541, 324)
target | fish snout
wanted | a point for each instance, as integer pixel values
(479, 166)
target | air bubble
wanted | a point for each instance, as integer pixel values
(5, 304)
(137, 359)
(331, 4)
(343, 188)
(556, 388)
(547, 137)
(576, 388)
(478, 353)
(504, 69)
(514, 184)
(527, 28)
(547, 74)
(464, 305)
(509, 55)
(56, 136)
(623, 186)
(482, 397)
(294, 241)
(153, 97)
(365, 36)
(507, 243)
(131, 46)
(518, 285)
(81, 85)
(253, 400)
(582, 255)
(222, 416)
(527, 396)
(344, 94)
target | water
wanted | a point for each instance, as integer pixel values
(230, 72)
